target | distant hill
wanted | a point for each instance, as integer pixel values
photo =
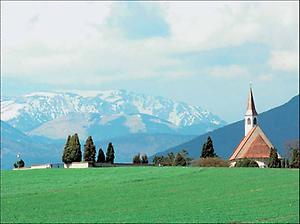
(280, 124)
(36, 149)
(32, 149)
(113, 126)
(103, 126)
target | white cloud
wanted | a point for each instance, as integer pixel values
(285, 61)
(53, 41)
(54, 22)
(205, 25)
(231, 71)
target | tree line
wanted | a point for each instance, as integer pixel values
(180, 159)
(72, 151)
(140, 159)
(208, 157)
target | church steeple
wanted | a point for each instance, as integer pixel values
(251, 114)
(251, 106)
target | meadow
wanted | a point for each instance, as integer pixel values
(150, 194)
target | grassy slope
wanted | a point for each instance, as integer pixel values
(150, 194)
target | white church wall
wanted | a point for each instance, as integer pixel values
(40, 166)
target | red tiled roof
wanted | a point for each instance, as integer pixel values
(254, 145)
(258, 149)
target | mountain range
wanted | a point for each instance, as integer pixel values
(280, 124)
(40, 122)
(36, 125)
(115, 108)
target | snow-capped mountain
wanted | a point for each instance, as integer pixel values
(30, 111)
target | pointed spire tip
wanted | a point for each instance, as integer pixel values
(251, 105)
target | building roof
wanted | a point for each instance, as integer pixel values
(251, 105)
(254, 145)
(258, 149)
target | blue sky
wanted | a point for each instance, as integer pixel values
(202, 53)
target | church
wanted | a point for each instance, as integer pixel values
(255, 145)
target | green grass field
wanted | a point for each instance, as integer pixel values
(150, 194)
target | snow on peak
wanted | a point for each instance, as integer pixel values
(10, 110)
(43, 94)
(32, 110)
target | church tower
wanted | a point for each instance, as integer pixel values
(255, 145)
(251, 114)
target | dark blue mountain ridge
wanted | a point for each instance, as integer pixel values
(280, 124)
(33, 149)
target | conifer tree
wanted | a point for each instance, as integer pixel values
(274, 161)
(208, 149)
(89, 150)
(110, 154)
(66, 154)
(72, 152)
(101, 156)
(136, 159)
(145, 159)
(76, 151)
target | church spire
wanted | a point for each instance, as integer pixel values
(251, 114)
(251, 106)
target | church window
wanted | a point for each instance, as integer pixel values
(248, 121)
(254, 121)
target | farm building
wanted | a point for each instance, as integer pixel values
(255, 145)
